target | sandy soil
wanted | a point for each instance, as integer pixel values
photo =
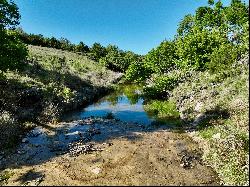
(130, 154)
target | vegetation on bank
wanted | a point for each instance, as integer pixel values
(111, 56)
(204, 71)
(38, 84)
(52, 81)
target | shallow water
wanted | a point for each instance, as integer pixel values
(139, 153)
(125, 103)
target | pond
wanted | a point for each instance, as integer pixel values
(125, 103)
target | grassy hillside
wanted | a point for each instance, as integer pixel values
(51, 81)
(215, 111)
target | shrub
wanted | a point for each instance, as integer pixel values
(12, 51)
(164, 110)
(137, 72)
(222, 58)
(161, 86)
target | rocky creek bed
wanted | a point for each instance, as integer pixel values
(99, 151)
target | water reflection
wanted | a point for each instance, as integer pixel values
(125, 103)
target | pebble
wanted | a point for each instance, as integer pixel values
(37, 145)
(216, 136)
(67, 165)
(20, 152)
(96, 170)
(1, 157)
(25, 140)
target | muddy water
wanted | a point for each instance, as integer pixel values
(87, 149)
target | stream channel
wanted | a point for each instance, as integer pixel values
(90, 147)
(125, 103)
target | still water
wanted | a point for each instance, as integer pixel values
(125, 103)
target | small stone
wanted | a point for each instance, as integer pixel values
(216, 136)
(20, 152)
(96, 170)
(182, 165)
(67, 165)
(37, 145)
(25, 140)
(198, 107)
(1, 157)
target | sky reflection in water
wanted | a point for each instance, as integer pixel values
(125, 104)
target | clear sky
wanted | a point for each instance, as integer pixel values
(136, 25)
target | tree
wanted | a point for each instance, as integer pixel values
(9, 15)
(97, 51)
(12, 50)
(81, 47)
(185, 25)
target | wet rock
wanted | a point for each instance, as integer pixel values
(20, 152)
(34, 133)
(25, 140)
(79, 147)
(81, 122)
(186, 161)
(37, 145)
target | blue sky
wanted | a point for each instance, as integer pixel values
(136, 25)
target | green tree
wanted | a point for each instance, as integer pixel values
(161, 59)
(81, 47)
(65, 44)
(97, 51)
(12, 51)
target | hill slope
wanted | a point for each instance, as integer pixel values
(51, 82)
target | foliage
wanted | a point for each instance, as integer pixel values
(118, 60)
(12, 51)
(211, 39)
(62, 43)
(164, 110)
(222, 58)
(161, 86)
(161, 59)
(195, 47)
(137, 72)
(9, 15)
(81, 47)
(97, 51)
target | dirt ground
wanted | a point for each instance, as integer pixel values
(127, 154)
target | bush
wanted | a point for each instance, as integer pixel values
(161, 59)
(161, 86)
(137, 72)
(222, 58)
(164, 110)
(12, 51)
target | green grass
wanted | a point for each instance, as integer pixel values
(164, 111)
(227, 152)
(4, 176)
(51, 82)
(224, 103)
